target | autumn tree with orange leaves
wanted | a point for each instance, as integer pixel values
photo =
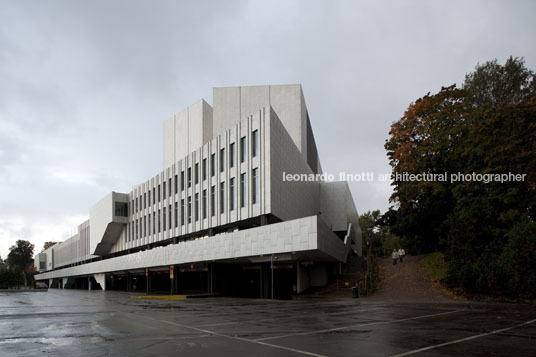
(486, 230)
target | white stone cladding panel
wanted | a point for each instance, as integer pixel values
(329, 243)
(252, 99)
(237, 112)
(181, 135)
(289, 105)
(73, 250)
(338, 210)
(353, 217)
(226, 103)
(169, 141)
(289, 200)
(100, 215)
(195, 128)
(334, 205)
(186, 131)
(49, 258)
(284, 237)
(233, 104)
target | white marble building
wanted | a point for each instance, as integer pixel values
(220, 211)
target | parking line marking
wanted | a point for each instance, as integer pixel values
(210, 312)
(353, 326)
(463, 339)
(290, 317)
(235, 338)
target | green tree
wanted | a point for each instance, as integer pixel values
(20, 254)
(488, 126)
(426, 141)
(11, 277)
(492, 83)
(369, 222)
(377, 234)
(48, 245)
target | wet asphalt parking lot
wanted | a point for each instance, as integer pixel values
(96, 323)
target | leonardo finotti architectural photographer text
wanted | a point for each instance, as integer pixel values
(406, 176)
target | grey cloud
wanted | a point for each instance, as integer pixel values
(85, 86)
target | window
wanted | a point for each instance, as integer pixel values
(204, 169)
(254, 143)
(182, 180)
(231, 155)
(189, 177)
(149, 223)
(154, 222)
(204, 204)
(212, 165)
(243, 149)
(129, 237)
(164, 218)
(212, 200)
(231, 193)
(176, 184)
(164, 189)
(137, 229)
(189, 209)
(137, 204)
(222, 197)
(243, 190)
(154, 195)
(254, 185)
(121, 209)
(145, 200)
(158, 193)
(145, 226)
(149, 197)
(159, 227)
(196, 207)
(169, 217)
(182, 212)
(176, 215)
(169, 187)
(196, 174)
(222, 160)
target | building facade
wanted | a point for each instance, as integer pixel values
(220, 217)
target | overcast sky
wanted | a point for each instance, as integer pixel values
(85, 86)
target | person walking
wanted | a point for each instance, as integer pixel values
(401, 254)
(394, 255)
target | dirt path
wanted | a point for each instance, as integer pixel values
(407, 282)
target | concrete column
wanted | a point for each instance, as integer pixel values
(302, 278)
(298, 280)
(148, 278)
(260, 283)
(50, 282)
(211, 273)
(89, 283)
(101, 279)
(65, 280)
